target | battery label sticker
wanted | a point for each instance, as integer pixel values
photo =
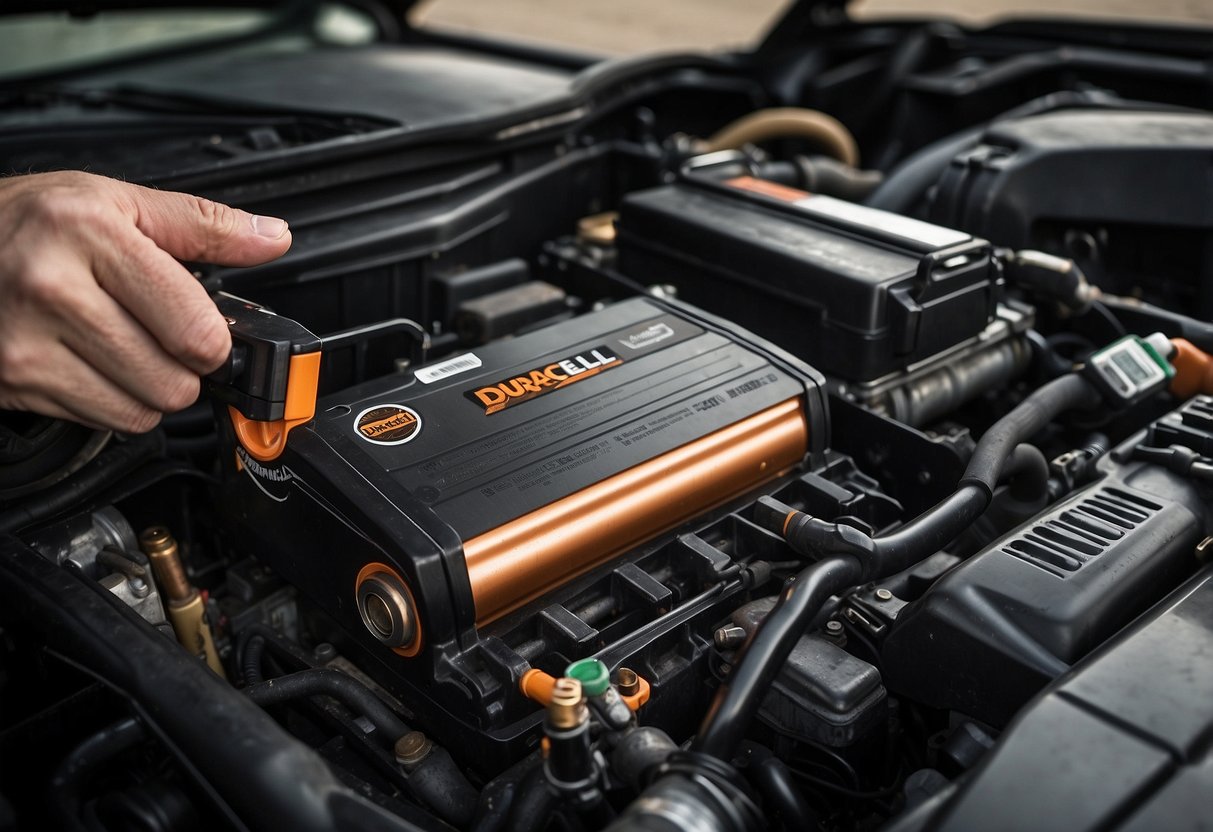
(494, 398)
(388, 424)
(766, 188)
(905, 228)
(648, 336)
(450, 367)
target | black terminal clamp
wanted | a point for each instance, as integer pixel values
(270, 379)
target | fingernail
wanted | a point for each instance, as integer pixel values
(271, 227)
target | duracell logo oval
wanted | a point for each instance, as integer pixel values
(552, 376)
(388, 424)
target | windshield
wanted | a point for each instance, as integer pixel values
(617, 27)
(622, 27)
(33, 44)
(44, 42)
(989, 11)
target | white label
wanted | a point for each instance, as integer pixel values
(446, 369)
(647, 337)
(906, 228)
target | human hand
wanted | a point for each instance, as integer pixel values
(99, 323)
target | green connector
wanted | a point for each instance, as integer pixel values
(593, 675)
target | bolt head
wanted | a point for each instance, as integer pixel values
(884, 595)
(412, 748)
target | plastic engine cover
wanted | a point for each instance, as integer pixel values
(993, 631)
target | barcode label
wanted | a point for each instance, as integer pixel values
(450, 367)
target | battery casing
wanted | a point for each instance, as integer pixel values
(857, 292)
(489, 478)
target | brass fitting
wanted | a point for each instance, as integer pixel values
(186, 608)
(627, 681)
(567, 708)
(161, 549)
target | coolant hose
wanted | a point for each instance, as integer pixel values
(762, 657)
(1027, 472)
(927, 533)
(824, 131)
(906, 184)
(250, 664)
(107, 468)
(778, 789)
(534, 803)
(1029, 417)
(321, 681)
(68, 782)
(851, 556)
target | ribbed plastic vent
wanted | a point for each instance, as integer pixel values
(1082, 532)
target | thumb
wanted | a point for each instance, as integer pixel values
(196, 229)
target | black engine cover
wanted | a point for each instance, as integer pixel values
(993, 631)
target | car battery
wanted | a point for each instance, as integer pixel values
(855, 291)
(420, 507)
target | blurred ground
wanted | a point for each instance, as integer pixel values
(626, 26)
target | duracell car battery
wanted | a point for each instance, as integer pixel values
(446, 497)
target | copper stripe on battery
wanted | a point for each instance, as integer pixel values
(520, 560)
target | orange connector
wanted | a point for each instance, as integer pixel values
(537, 686)
(1193, 370)
(635, 700)
(264, 441)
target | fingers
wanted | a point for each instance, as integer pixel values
(58, 382)
(165, 299)
(113, 343)
(69, 350)
(36, 403)
(199, 230)
(98, 321)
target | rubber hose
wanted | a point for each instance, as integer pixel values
(265, 780)
(909, 180)
(928, 532)
(1029, 417)
(1027, 471)
(775, 782)
(321, 681)
(254, 650)
(826, 132)
(762, 657)
(823, 175)
(534, 802)
(493, 810)
(109, 466)
(498, 795)
(68, 780)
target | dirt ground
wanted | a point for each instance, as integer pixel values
(628, 26)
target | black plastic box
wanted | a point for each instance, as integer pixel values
(857, 292)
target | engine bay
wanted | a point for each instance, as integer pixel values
(813, 438)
